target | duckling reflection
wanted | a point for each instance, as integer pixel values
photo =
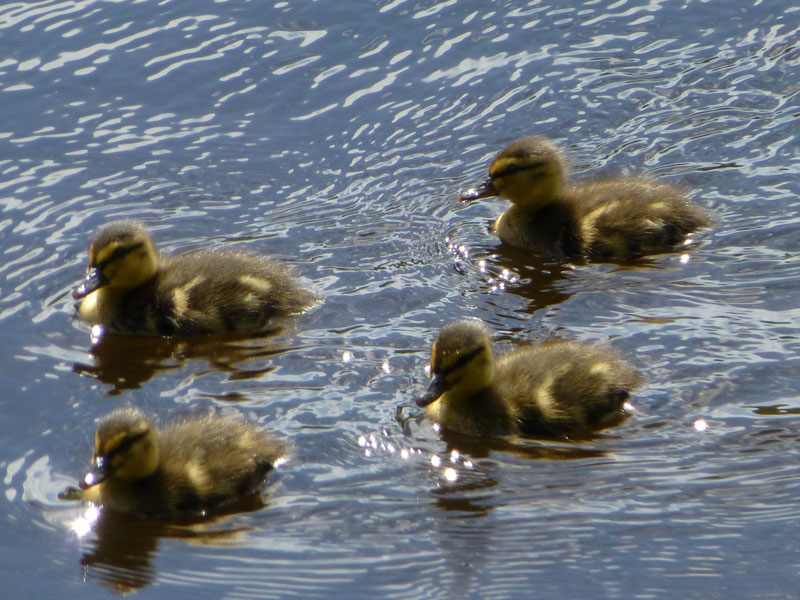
(557, 389)
(129, 288)
(126, 362)
(616, 219)
(516, 271)
(192, 468)
(121, 550)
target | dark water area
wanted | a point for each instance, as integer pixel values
(336, 136)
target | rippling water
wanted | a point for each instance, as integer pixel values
(336, 136)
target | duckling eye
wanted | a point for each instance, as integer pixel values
(514, 168)
(462, 360)
(118, 253)
(125, 444)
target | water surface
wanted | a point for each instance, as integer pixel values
(336, 137)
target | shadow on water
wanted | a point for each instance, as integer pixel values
(525, 448)
(546, 282)
(121, 551)
(540, 282)
(478, 447)
(127, 361)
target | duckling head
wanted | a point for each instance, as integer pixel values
(121, 257)
(461, 362)
(530, 172)
(125, 448)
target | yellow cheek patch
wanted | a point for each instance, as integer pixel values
(89, 308)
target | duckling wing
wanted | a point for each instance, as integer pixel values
(630, 217)
(214, 460)
(219, 292)
(562, 387)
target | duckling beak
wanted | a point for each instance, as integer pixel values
(101, 469)
(436, 388)
(94, 279)
(484, 190)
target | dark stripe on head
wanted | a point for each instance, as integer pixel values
(462, 360)
(119, 253)
(127, 442)
(515, 168)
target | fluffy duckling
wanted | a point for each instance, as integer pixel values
(619, 218)
(559, 388)
(129, 288)
(182, 470)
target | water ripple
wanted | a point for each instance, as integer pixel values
(336, 137)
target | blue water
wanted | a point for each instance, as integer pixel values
(336, 137)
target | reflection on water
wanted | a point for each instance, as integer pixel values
(127, 361)
(335, 137)
(120, 548)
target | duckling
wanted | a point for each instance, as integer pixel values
(129, 288)
(184, 469)
(615, 219)
(559, 388)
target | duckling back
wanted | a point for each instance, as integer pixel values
(213, 292)
(565, 388)
(212, 461)
(631, 217)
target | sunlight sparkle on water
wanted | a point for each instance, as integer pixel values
(97, 334)
(701, 425)
(373, 446)
(83, 524)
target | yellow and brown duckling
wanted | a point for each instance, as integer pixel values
(620, 218)
(130, 288)
(559, 388)
(182, 470)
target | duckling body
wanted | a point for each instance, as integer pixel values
(559, 388)
(181, 470)
(129, 288)
(620, 218)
